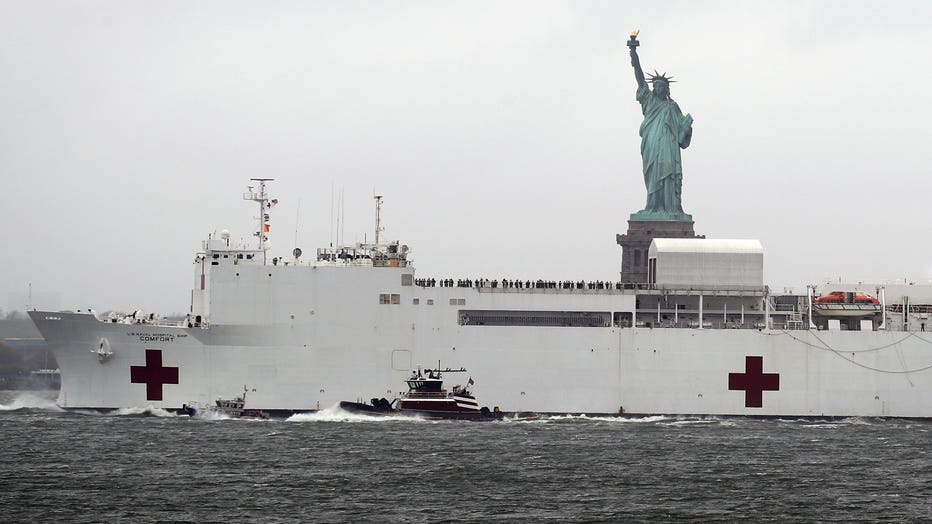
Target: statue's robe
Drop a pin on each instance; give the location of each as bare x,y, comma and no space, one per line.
663,132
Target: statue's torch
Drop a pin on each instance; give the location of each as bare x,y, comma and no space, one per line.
633,42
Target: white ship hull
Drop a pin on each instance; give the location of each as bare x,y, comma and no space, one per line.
306,338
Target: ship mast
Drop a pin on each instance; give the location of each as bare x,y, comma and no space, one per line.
262,198
378,222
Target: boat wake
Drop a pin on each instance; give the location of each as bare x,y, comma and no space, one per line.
695,421
213,416
335,414
148,411
834,422
603,418
662,420
28,401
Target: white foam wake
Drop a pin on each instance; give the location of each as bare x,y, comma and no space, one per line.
335,414
29,401
150,411
619,420
206,414
689,421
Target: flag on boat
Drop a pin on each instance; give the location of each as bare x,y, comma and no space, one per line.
471,382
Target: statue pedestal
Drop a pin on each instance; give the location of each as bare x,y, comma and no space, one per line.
660,216
636,241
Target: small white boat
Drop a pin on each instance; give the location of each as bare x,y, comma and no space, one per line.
233,408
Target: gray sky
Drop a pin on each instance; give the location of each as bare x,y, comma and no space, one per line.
504,135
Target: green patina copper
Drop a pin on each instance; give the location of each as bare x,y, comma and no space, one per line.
664,131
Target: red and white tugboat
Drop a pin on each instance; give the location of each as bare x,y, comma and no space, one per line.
426,397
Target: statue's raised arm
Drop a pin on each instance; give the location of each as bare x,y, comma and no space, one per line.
635,61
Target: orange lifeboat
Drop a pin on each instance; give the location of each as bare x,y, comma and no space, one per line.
845,304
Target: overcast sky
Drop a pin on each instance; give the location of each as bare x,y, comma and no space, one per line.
503,135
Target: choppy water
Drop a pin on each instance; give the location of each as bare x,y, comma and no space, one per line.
332,466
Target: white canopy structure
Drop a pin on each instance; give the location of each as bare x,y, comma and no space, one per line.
706,262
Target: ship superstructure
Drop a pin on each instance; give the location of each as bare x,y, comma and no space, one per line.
703,335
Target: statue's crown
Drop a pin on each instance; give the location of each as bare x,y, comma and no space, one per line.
660,77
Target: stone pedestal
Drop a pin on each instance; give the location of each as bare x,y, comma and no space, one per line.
635,243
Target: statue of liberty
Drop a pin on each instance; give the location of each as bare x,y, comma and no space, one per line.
663,132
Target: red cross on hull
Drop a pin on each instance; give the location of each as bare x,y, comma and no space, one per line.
754,382
153,375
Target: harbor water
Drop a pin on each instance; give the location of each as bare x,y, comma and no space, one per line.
331,466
